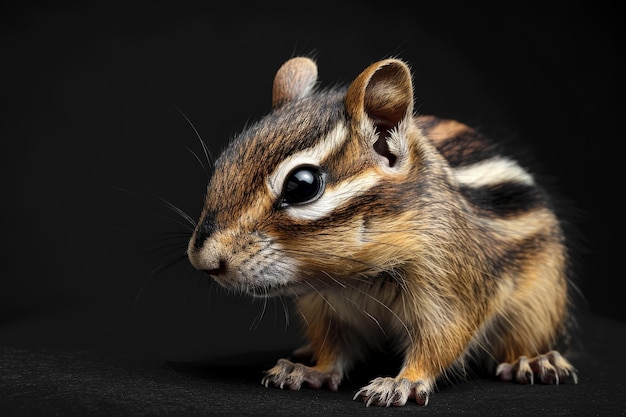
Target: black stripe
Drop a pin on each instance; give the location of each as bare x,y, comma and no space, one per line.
521,253
504,199
468,148
427,123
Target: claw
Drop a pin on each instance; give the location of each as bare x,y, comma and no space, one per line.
390,391
551,368
524,373
287,374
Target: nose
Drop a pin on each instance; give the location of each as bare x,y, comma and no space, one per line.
201,250
219,270
207,260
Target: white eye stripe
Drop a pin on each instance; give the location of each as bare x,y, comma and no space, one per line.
311,156
277,179
333,198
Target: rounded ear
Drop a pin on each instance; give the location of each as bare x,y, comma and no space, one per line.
383,92
294,80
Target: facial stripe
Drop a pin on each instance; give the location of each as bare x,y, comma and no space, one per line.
313,156
205,229
333,197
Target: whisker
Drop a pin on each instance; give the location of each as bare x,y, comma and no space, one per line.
321,295
195,155
166,250
160,251
163,202
169,264
259,317
211,285
184,225
159,269
304,319
178,211
193,289
406,328
334,279
367,314
285,310
207,154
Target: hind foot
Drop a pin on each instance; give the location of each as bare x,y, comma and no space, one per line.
551,368
287,374
391,391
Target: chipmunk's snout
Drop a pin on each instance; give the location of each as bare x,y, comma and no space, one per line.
201,251
207,260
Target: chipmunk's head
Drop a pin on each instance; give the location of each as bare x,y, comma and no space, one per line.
299,199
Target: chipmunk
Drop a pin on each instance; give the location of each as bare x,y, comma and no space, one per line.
387,228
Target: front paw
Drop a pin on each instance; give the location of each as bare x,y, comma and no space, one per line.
287,374
391,391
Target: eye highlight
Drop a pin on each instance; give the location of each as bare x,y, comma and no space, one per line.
303,184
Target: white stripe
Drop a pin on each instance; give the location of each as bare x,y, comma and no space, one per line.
333,198
492,171
310,156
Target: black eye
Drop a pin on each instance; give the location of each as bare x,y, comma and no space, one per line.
303,185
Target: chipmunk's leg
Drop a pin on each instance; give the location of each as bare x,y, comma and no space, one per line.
551,368
326,353
425,359
430,351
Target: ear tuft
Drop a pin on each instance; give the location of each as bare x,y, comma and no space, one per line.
294,80
382,93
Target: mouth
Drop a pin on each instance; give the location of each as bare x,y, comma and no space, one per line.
275,286
262,290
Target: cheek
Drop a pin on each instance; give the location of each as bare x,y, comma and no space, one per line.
336,248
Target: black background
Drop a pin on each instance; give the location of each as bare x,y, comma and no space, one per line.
93,143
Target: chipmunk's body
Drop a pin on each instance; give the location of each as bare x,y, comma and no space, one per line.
387,227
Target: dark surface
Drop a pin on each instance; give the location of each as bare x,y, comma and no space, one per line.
39,382
101,314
